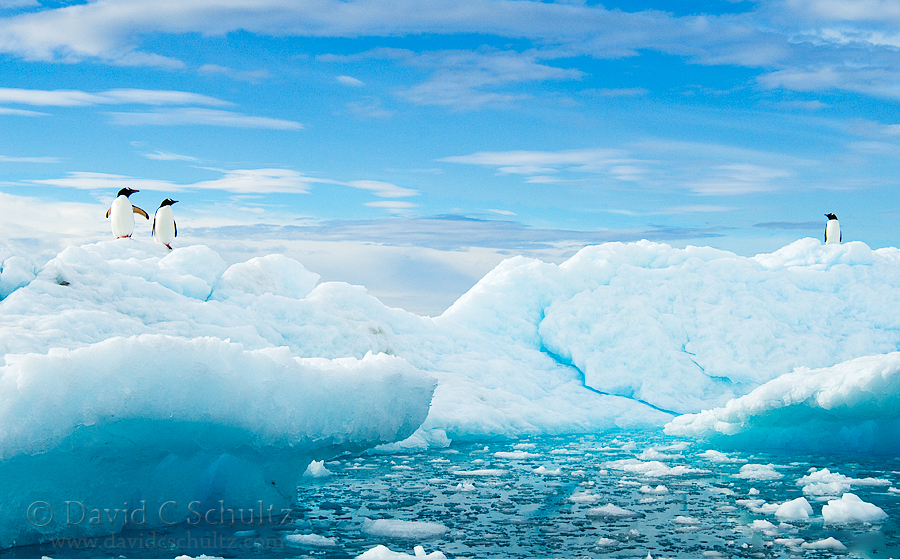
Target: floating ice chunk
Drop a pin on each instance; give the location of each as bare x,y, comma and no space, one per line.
850,509
309,540
516,455
382,552
612,512
686,521
789,542
823,482
763,526
762,472
204,556
720,457
655,454
658,490
486,472
464,487
606,542
652,469
585,497
403,529
543,470
317,468
796,510
829,543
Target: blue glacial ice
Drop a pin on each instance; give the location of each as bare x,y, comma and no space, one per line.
132,374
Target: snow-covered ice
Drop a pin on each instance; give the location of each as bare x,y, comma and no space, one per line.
134,374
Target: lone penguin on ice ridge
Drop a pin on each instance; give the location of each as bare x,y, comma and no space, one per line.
164,228
122,213
832,230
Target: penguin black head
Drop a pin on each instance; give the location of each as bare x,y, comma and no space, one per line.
168,202
831,216
127,192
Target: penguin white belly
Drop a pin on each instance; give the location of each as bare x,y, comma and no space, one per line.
164,225
121,215
832,232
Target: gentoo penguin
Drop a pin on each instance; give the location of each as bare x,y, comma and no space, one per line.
122,213
832,230
164,229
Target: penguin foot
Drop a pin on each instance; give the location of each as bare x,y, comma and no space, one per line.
124,237
169,247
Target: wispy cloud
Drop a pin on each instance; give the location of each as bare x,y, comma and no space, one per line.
76,98
10,159
241,181
470,80
238,75
383,189
21,112
351,81
703,169
199,116
799,44
238,181
166,156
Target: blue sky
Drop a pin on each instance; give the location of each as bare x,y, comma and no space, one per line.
409,146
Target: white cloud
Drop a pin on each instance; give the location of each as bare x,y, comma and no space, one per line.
463,79
350,81
166,156
239,75
239,181
521,161
76,98
261,181
9,159
243,181
391,205
20,112
383,189
197,116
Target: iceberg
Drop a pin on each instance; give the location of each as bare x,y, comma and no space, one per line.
850,407
133,377
151,430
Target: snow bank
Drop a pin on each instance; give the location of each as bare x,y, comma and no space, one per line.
852,406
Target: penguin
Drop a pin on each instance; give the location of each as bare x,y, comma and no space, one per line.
122,213
832,230
164,228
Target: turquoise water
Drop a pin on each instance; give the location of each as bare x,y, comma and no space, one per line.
546,497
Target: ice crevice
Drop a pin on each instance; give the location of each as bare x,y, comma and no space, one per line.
581,378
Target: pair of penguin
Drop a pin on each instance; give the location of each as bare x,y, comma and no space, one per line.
122,213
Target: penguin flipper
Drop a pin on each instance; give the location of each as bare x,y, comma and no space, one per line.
153,229
175,225
137,210
107,213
